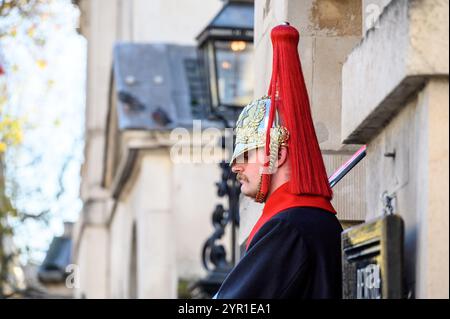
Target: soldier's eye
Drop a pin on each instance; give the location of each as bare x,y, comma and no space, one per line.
242,159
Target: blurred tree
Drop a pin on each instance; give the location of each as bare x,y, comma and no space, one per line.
13,14
6,209
10,134
41,129
25,7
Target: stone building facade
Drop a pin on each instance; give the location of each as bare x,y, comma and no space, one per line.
377,74
395,99
143,222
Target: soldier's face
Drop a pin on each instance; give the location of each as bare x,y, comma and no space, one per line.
248,169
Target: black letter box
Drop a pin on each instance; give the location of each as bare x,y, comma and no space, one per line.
372,259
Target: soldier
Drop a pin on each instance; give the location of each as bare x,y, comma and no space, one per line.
293,251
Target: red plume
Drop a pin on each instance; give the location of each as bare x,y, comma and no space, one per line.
289,95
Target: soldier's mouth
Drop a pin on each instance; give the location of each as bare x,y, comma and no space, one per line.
241,178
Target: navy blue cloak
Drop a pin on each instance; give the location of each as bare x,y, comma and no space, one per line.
296,254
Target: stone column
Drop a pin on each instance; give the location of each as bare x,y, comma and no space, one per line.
98,18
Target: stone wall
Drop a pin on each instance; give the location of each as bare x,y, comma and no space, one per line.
395,99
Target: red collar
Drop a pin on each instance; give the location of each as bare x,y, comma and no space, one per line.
282,199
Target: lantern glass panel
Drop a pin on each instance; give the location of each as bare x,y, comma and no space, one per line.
234,65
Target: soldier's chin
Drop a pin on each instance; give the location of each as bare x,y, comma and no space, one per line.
247,191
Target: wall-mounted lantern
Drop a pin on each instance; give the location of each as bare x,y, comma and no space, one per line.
226,50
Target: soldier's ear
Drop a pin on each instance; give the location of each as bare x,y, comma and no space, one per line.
282,156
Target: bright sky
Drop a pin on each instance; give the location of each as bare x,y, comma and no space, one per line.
47,88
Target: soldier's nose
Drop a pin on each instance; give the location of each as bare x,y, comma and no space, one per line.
236,168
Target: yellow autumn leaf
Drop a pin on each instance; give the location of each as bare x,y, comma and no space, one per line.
11,132
30,31
41,63
17,137
2,147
